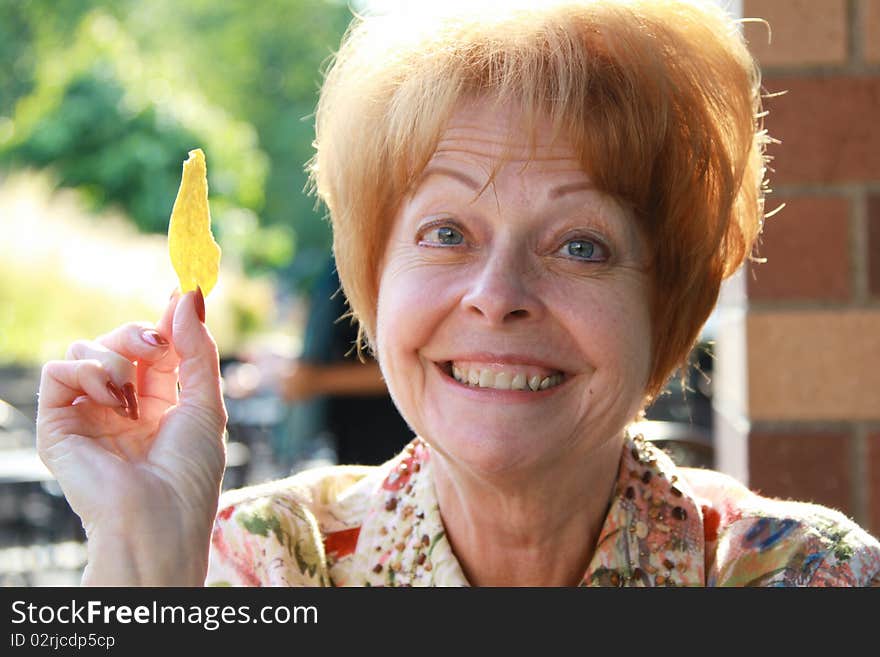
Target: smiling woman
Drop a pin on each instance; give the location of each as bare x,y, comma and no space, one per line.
533,210
516,270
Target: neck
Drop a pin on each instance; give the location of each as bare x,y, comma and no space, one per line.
535,527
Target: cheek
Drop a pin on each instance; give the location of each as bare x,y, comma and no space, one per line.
631,332
413,302
402,314
611,326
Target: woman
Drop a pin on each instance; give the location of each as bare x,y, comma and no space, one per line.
533,210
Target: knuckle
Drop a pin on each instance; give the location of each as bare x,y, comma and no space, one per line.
87,367
49,372
119,363
76,349
49,367
132,331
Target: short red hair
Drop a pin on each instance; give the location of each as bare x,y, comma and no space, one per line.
659,97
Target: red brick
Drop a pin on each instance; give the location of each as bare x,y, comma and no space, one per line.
874,483
805,466
807,250
801,35
828,127
874,245
871,30
813,365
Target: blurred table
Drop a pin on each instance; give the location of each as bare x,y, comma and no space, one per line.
22,465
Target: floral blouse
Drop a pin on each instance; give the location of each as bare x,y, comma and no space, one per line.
666,526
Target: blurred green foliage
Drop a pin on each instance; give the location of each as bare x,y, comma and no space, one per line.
110,95
114,156
16,55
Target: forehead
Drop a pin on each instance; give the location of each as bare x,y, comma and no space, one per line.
490,145
493,135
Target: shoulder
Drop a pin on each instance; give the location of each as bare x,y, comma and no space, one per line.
274,533
752,540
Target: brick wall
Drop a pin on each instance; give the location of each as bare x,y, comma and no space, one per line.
810,330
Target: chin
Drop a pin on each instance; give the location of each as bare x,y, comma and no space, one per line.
492,451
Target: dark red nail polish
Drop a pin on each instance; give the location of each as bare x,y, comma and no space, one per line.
132,400
199,301
153,338
114,390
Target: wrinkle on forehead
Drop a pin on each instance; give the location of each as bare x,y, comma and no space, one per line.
492,136
477,138
501,132
501,144
487,136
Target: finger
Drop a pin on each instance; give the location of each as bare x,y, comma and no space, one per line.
120,368
118,351
159,379
62,382
150,347
136,341
164,325
85,402
199,359
122,373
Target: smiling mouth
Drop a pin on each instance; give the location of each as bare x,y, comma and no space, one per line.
503,377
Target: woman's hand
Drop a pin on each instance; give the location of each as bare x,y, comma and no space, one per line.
138,461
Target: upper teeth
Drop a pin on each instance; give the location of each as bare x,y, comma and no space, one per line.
505,380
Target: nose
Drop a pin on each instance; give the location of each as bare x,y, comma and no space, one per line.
503,291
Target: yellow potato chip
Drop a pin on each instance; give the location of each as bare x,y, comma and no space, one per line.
194,253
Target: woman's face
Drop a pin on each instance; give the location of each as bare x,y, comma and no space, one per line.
512,323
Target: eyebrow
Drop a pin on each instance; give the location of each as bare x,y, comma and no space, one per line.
562,190
466,180
452,173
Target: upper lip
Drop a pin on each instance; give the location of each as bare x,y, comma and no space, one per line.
506,358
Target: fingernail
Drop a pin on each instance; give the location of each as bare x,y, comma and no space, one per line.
199,301
131,400
153,338
114,390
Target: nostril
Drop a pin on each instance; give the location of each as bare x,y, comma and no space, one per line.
519,313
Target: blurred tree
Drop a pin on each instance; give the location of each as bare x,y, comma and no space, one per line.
112,94
114,154
262,62
30,28
16,53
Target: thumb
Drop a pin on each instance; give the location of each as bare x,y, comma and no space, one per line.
199,372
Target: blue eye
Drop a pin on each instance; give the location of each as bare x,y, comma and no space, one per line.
443,236
583,249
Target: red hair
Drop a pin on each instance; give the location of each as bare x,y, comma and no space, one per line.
659,98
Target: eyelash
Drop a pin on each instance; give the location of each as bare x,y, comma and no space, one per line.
435,227
597,245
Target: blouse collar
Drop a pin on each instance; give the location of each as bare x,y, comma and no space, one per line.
652,534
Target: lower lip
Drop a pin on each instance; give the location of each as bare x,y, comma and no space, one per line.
494,394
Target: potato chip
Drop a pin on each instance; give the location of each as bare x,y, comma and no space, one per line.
194,253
